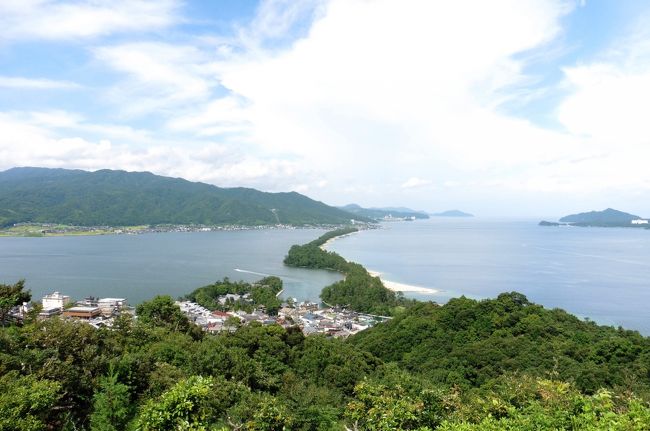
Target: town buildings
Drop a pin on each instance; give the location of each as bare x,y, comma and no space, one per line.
308,316
55,300
97,311
82,312
311,319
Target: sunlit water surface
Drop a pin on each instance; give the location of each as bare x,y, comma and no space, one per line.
603,274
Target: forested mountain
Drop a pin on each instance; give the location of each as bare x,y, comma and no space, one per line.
380,213
119,198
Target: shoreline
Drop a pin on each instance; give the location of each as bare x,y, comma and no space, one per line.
48,230
322,247
390,285
403,287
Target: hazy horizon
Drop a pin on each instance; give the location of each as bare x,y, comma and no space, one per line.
508,108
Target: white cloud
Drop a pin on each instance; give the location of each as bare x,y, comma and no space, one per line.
607,109
371,91
351,102
608,102
18,82
274,21
47,19
159,76
365,101
55,139
355,96
414,182
222,116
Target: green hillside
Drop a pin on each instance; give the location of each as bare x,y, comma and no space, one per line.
501,364
119,198
472,343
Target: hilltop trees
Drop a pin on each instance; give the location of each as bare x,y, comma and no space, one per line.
261,293
12,295
111,404
470,343
469,365
162,311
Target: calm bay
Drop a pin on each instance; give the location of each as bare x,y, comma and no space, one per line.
599,273
139,267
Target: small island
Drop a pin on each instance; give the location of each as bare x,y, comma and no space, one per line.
606,218
452,213
549,223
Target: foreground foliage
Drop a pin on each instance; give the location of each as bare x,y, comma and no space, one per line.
12,295
501,364
469,343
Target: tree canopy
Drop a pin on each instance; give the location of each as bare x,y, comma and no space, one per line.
12,295
496,364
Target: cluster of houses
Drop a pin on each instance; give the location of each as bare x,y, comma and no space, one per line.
311,319
309,316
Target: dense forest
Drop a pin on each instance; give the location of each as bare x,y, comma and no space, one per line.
501,364
119,198
359,290
470,343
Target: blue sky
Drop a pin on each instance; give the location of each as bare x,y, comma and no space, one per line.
518,107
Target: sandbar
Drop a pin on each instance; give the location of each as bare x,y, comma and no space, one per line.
402,287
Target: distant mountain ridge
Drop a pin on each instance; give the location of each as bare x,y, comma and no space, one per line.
120,198
383,213
452,213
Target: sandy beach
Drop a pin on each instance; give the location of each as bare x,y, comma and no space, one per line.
401,287
324,246
391,285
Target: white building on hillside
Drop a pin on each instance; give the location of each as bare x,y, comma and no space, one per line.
109,305
55,300
639,221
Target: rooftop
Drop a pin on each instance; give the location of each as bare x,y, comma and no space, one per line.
82,309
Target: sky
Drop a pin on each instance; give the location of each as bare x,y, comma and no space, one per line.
501,108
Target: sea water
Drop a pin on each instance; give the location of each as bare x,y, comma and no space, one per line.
597,273
138,267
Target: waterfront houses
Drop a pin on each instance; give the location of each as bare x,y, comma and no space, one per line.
95,311
311,319
308,316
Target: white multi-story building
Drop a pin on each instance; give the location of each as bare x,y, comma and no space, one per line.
55,300
109,305
639,221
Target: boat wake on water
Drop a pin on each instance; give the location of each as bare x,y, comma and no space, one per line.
252,272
